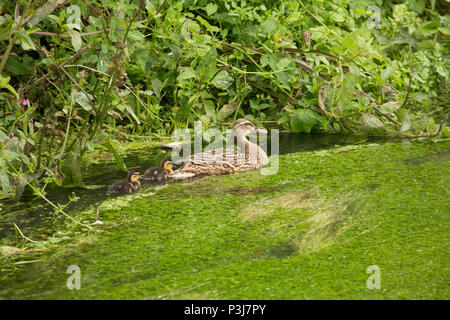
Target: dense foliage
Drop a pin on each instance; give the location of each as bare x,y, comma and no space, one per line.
80,74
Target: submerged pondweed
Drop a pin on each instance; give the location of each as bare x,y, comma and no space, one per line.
310,231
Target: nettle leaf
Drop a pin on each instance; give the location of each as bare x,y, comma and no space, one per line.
389,107
303,120
222,80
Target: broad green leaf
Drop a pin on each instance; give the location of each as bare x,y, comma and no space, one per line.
211,8
303,120
258,106
83,100
406,124
222,80
269,25
389,107
175,50
15,66
136,35
386,73
186,73
26,42
283,63
76,39
337,17
371,121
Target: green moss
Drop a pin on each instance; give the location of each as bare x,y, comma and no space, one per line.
384,205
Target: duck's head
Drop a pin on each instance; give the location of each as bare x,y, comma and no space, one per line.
167,165
243,127
133,176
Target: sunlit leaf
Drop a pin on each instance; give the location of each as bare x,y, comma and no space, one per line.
119,160
75,39
211,8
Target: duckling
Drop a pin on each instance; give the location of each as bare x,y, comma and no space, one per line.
155,174
129,186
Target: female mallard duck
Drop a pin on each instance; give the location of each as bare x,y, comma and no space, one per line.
129,186
155,174
248,156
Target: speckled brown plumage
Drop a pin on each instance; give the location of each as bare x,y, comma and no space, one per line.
249,156
129,186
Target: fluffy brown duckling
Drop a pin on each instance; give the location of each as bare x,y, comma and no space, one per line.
129,186
160,174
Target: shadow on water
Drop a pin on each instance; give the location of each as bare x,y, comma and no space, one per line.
37,213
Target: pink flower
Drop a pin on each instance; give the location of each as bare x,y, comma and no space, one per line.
25,102
12,134
31,120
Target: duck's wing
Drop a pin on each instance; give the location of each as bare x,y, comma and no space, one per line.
216,156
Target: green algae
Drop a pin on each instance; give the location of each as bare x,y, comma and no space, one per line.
195,240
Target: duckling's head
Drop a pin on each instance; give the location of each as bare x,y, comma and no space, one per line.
243,127
167,165
133,176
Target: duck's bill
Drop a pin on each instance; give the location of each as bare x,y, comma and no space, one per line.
261,130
